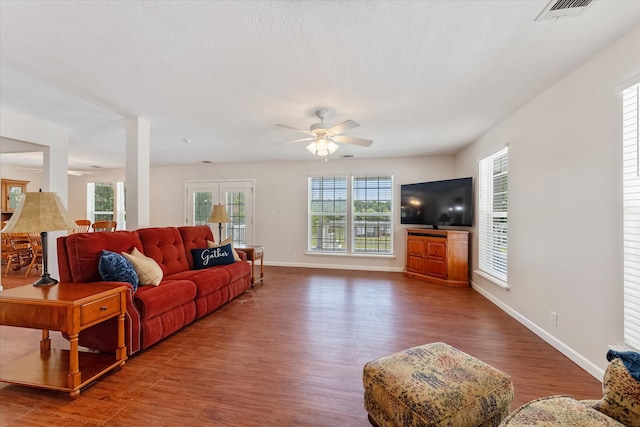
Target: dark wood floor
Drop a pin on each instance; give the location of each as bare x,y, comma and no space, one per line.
290,352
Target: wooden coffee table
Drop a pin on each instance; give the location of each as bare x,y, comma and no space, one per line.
254,252
68,308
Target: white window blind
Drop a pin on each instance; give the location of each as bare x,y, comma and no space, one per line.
631,216
492,221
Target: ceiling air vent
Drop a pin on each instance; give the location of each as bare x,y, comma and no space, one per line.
557,9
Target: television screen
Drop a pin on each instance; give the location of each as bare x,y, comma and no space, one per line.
436,203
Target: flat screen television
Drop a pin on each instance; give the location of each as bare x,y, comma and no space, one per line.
437,203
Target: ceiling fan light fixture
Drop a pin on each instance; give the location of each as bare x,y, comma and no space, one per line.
322,147
332,147
312,148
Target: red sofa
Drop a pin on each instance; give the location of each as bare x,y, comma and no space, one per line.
153,312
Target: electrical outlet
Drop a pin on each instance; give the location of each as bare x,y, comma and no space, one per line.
554,318
294,254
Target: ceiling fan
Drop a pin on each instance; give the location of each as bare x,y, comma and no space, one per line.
324,140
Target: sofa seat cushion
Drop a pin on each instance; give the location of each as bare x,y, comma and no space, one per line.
207,281
557,411
238,270
153,301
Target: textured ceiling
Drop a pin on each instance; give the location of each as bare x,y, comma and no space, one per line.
422,78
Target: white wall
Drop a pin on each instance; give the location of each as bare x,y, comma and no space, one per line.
22,174
565,207
280,187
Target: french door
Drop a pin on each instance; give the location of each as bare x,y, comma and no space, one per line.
236,196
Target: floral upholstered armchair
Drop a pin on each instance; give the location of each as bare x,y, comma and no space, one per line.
619,406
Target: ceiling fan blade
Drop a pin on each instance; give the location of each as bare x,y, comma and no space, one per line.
299,130
298,140
341,127
343,139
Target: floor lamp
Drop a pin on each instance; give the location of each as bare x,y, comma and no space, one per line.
39,213
219,215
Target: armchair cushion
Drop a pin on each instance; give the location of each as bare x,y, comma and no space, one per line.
553,411
621,399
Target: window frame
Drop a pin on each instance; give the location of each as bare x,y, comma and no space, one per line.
493,222
118,212
349,237
631,214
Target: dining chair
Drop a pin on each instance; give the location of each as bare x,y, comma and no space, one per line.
9,255
16,251
82,226
104,226
35,241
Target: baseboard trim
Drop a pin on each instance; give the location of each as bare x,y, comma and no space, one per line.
336,266
569,352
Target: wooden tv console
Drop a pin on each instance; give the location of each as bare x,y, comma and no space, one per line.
438,256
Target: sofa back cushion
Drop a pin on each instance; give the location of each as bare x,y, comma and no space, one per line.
195,237
79,253
165,246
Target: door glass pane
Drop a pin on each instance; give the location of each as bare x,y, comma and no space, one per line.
236,203
202,207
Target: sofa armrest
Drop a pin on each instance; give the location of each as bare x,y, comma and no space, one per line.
242,255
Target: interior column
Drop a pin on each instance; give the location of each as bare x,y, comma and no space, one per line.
137,171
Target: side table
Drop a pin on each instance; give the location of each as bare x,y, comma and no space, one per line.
254,252
68,308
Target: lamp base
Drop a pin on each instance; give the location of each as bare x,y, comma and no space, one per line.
45,280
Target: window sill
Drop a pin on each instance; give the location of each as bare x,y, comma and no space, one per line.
500,283
351,255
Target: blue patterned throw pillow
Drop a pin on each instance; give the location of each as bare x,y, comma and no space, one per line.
203,258
114,267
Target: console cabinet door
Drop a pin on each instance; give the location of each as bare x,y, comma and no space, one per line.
437,258
415,256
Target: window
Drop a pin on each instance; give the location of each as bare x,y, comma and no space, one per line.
631,215
106,201
351,214
492,221
372,214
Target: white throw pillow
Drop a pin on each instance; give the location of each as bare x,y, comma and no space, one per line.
149,272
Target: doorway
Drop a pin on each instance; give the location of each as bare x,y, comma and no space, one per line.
236,196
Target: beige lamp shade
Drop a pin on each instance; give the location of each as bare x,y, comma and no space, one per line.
219,214
37,212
